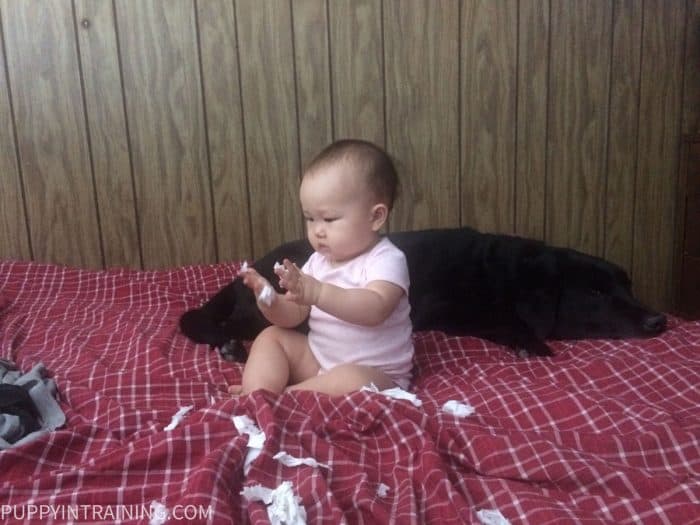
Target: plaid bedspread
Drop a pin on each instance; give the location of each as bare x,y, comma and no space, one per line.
604,432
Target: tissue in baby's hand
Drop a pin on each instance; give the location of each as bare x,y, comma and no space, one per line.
267,295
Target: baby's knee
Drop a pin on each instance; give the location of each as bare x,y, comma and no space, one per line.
357,376
271,333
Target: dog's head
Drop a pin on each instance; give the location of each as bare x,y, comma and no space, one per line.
571,295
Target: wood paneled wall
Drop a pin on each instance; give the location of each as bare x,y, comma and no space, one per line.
154,133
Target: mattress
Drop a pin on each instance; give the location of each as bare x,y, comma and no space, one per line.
605,431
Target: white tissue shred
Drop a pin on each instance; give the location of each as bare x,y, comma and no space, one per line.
491,517
382,490
159,513
178,417
256,439
395,393
290,461
283,506
267,295
245,425
458,409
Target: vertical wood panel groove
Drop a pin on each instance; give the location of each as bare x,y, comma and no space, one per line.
88,138
623,130
243,127
132,177
606,154
382,35
632,266
329,58
691,73
18,243
516,136
206,131
296,86
531,118
547,185
460,103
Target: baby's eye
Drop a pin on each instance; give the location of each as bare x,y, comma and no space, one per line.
330,219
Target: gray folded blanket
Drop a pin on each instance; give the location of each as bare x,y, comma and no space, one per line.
27,405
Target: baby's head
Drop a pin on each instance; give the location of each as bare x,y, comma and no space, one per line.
346,194
366,163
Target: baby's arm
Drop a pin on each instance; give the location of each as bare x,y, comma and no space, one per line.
367,306
275,307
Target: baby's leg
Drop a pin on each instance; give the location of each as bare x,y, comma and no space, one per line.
279,356
344,379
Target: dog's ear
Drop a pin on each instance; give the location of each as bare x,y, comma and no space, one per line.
537,298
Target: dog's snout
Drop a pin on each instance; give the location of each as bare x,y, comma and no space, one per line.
655,324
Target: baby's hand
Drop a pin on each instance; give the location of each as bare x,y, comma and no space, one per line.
264,292
301,288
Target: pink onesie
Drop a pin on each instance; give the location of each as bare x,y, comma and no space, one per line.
388,346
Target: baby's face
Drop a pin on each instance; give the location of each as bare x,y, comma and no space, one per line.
339,211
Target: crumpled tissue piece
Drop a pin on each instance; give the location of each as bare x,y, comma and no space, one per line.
395,393
159,513
256,439
290,461
267,295
382,490
283,506
458,409
491,517
178,417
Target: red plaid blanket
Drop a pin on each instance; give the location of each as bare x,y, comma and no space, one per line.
604,432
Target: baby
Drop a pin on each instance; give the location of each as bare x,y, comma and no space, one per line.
353,288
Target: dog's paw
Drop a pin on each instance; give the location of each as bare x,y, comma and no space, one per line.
534,348
233,351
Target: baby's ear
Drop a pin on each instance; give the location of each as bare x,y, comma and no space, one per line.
380,213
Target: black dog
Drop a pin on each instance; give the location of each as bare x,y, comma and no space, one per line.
510,290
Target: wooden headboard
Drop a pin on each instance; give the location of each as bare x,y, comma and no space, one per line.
166,132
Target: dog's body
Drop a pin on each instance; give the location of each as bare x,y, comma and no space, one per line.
514,291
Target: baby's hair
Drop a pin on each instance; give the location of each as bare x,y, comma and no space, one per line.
371,160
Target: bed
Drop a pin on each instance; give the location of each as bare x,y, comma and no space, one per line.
603,432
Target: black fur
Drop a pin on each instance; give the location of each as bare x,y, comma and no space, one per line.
510,290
